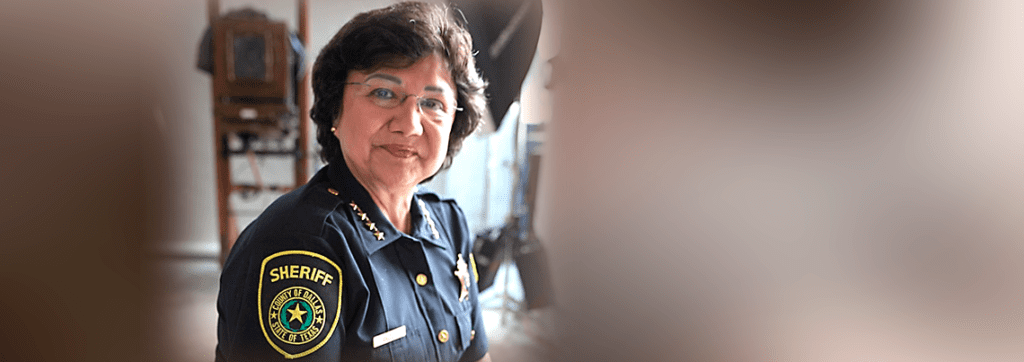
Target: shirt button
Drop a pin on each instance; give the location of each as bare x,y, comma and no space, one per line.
443,336
421,279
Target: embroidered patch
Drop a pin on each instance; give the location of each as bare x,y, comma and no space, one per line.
299,301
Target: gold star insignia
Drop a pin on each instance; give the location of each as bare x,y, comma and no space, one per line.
433,231
366,220
430,221
296,313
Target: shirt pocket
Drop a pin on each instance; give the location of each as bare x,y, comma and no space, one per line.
412,347
464,318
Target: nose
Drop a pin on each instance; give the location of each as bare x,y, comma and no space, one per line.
407,119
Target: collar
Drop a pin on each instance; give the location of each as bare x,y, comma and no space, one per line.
424,223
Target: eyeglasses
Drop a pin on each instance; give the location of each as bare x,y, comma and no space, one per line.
385,95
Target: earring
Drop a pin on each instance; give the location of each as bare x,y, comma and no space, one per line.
333,129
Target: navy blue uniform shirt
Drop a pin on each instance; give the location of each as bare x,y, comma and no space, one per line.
321,275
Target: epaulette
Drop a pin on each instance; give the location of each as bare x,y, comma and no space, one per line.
319,200
325,195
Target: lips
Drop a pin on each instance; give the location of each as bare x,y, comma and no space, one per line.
400,151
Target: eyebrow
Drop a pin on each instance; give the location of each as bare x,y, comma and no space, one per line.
394,79
433,88
385,77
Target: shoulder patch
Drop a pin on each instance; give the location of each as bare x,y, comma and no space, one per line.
299,301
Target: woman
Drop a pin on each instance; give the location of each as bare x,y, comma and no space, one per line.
357,264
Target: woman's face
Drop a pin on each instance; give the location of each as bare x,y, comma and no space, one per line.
394,124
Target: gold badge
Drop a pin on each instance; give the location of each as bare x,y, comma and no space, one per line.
461,271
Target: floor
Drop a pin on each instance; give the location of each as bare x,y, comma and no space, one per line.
186,317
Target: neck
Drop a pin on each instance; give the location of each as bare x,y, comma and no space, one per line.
394,204
392,199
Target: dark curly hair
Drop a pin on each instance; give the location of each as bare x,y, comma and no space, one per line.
397,37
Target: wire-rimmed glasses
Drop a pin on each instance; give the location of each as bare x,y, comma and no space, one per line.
387,95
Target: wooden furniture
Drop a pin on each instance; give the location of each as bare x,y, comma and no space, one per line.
256,98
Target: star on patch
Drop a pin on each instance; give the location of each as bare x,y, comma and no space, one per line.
296,314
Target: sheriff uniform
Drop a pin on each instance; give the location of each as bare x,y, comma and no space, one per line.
321,275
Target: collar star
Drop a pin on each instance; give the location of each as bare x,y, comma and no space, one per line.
366,221
430,221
